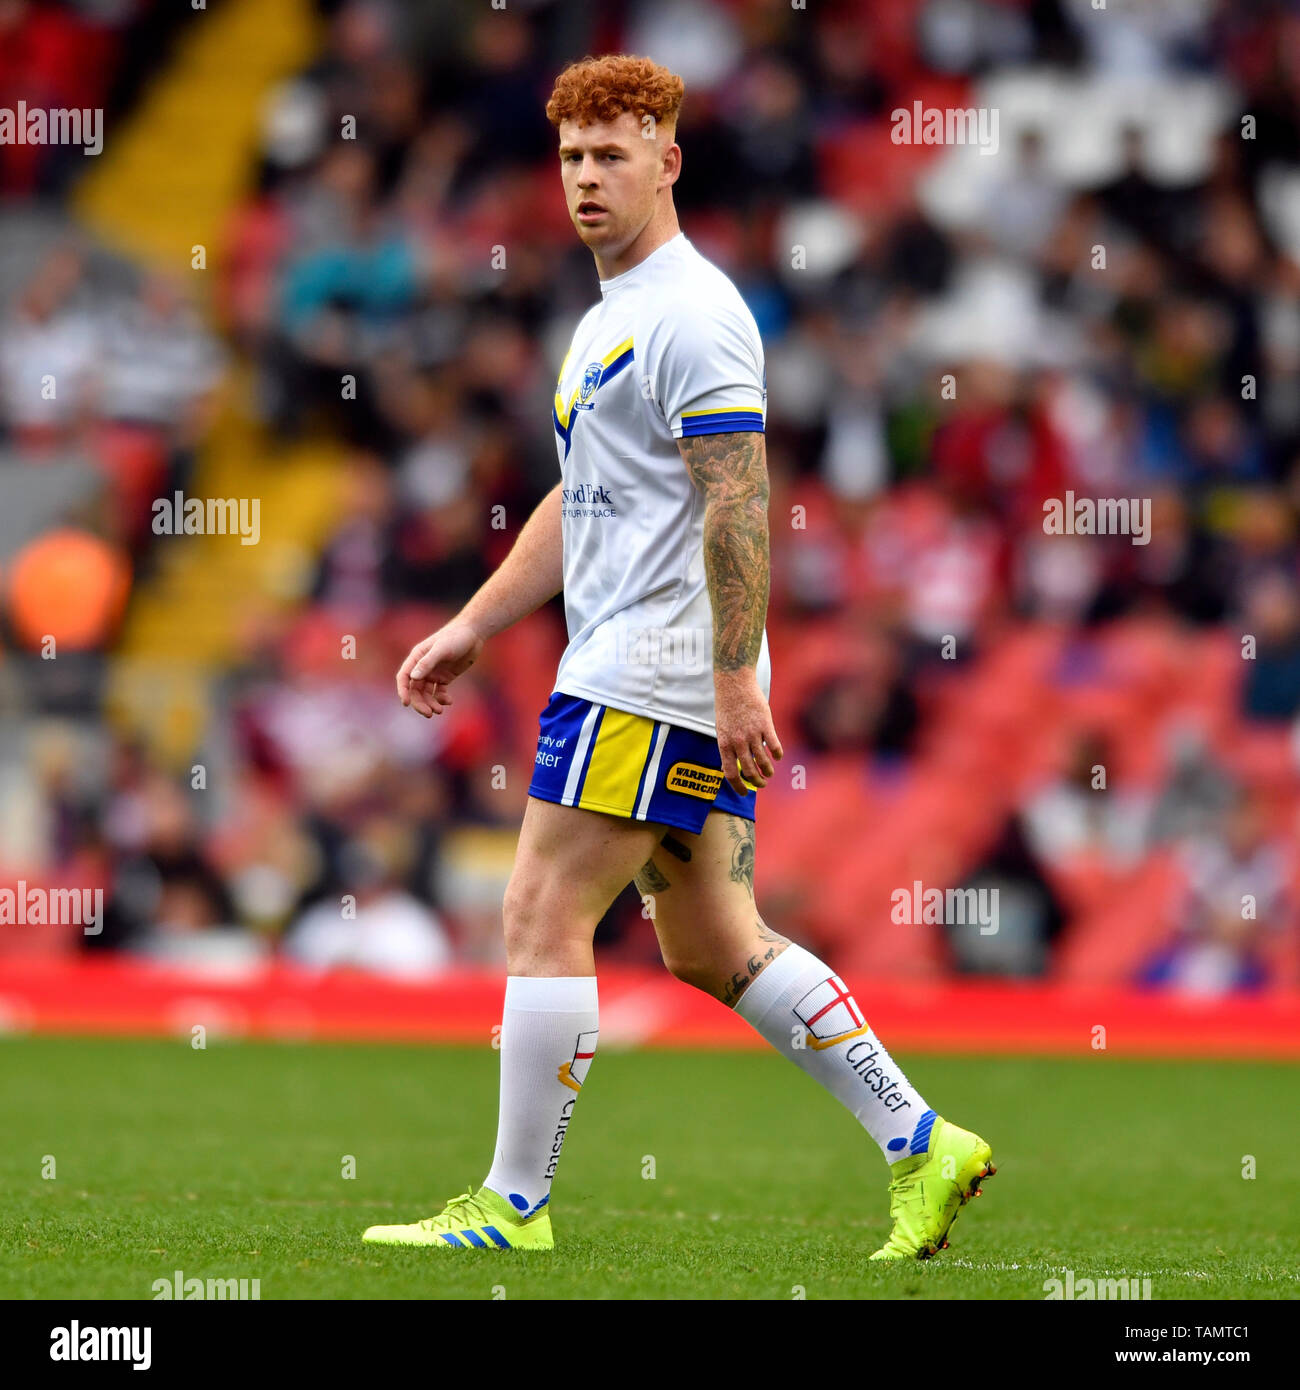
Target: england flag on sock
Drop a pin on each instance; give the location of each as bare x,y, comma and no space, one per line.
830,1013
574,1073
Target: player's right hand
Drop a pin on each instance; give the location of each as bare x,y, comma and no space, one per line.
433,664
747,741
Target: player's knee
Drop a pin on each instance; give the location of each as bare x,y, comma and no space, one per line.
540,920
692,970
523,915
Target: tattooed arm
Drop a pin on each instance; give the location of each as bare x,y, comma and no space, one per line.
731,471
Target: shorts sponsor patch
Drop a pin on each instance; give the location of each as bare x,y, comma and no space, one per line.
694,780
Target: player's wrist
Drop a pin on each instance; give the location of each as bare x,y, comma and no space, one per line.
735,676
475,624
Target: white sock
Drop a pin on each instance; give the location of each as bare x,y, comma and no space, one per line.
806,1012
548,1037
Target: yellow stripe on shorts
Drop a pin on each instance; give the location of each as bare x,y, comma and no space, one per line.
616,762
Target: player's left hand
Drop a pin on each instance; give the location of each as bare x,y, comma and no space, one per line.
746,735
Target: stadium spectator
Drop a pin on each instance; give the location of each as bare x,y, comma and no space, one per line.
1233,912
50,358
378,925
160,370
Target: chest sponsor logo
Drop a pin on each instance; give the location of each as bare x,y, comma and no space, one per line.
587,499
587,493
694,780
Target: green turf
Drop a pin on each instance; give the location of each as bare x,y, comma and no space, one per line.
227,1163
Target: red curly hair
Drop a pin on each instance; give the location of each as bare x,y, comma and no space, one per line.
596,90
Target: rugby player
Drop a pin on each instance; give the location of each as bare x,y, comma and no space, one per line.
658,735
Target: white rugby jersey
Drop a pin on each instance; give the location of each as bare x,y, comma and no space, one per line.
671,350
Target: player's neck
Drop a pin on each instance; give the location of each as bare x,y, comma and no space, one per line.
648,240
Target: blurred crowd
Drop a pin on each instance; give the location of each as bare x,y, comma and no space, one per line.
1107,306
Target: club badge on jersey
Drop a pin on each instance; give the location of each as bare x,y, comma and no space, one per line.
590,381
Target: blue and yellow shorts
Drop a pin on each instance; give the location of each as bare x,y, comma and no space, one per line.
604,759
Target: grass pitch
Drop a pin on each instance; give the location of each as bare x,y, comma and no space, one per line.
228,1163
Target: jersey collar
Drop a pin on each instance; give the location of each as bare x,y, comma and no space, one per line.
618,281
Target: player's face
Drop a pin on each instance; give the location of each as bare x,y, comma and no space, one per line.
611,175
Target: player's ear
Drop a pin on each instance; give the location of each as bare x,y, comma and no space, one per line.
672,164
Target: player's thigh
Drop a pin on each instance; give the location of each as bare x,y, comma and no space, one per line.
571,864
702,890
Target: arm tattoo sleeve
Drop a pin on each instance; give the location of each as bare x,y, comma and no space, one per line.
731,471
